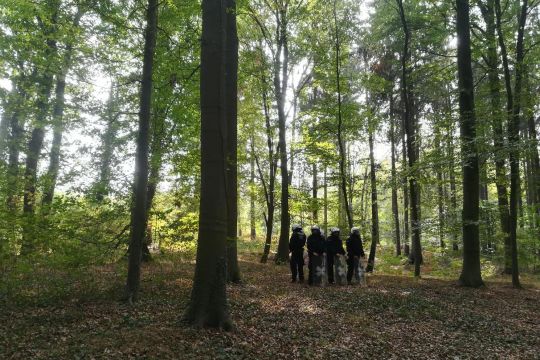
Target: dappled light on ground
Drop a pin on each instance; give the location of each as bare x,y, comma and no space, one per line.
393,317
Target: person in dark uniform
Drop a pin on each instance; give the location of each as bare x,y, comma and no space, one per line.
334,246
355,251
296,248
316,247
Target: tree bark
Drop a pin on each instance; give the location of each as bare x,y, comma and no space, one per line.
58,124
208,304
374,208
139,205
499,149
253,231
15,140
412,151
231,102
341,145
440,184
470,273
269,191
280,86
395,203
35,144
513,139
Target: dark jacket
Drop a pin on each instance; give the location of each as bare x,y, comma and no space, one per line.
316,244
297,242
334,245
354,246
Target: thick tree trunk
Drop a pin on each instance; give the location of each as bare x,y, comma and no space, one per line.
374,208
208,304
470,274
139,205
231,94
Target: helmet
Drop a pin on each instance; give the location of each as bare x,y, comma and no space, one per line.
334,230
296,227
315,228
355,230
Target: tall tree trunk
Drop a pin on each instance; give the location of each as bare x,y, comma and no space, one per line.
513,107
280,85
58,122
440,184
395,203
470,273
513,137
35,145
453,190
269,191
231,94
412,152
208,305
406,231
341,145
15,140
374,208
139,205
499,149
363,202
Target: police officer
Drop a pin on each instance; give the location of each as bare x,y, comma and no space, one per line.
316,247
334,246
296,248
355,250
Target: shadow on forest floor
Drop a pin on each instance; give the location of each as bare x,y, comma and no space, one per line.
393,317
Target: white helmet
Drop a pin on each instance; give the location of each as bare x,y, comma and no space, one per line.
315,227
296,227
334,230
355,230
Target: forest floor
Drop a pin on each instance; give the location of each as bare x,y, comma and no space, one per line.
79,316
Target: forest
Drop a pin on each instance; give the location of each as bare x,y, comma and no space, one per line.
158,158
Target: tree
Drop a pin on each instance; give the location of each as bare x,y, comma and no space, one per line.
412,151
470,274
231,89
208,304
139,206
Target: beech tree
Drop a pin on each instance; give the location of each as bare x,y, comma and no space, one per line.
470,274
208,304
138,210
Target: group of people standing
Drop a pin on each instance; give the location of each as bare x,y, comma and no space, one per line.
318,245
